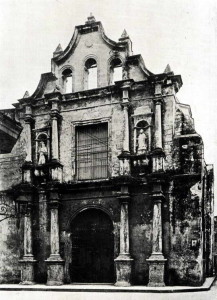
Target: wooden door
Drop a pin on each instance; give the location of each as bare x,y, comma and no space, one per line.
92,248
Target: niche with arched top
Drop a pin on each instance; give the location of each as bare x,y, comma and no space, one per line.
90,74
142,136
115,69
42,148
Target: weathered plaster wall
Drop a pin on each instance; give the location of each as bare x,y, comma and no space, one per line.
11,244
140,220
186,255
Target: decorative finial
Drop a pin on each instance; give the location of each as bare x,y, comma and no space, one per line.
90,19
26,95
168,69
124,34
58,49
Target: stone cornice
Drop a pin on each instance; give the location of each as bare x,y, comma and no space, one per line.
166,79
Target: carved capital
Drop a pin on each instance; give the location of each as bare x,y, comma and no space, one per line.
158,100
29,119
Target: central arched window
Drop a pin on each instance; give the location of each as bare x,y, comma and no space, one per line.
67,81
115,70
90,74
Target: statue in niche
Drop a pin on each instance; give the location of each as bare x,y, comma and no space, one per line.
141,142
42,153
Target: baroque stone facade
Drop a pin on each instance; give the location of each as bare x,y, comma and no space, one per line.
102,174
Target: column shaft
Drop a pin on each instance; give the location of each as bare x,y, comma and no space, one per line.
43,238
55,141
157,228
27,262
54,231
124,229
27,235
156,261
126,130
158,126
55,269
29,142
124,262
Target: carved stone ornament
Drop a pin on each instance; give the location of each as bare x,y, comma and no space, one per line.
88,43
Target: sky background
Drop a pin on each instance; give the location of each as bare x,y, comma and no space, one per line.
182,33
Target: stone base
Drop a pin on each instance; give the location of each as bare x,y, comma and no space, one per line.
27,270
156,270
123,265
55,270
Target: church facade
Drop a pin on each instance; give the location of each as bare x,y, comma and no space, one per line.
103,178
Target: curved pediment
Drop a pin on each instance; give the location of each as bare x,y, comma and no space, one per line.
89,27
47,84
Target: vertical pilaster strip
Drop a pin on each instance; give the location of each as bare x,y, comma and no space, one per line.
55,139
28,121
124,229
29,141
126,129
157,261
158,154
27,166
158,124
55,269
157,228
28,261
54,230
124,261
44,234
124,157
28,234
54,99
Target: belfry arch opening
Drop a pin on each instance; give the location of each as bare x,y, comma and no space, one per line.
67,81
90,74
92,256
115,70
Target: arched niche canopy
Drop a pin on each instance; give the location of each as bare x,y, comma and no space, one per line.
42,148
142,136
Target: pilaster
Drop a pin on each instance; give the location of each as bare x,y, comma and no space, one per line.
158,153
55,264
43,233
125,155
28,261
124,261
157,261
27,168
55,166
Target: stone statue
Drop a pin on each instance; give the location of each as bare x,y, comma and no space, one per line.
42,153
142,142
124,74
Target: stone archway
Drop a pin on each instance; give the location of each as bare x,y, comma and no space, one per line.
92,247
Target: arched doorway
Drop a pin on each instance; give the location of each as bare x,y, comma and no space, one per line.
92,247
